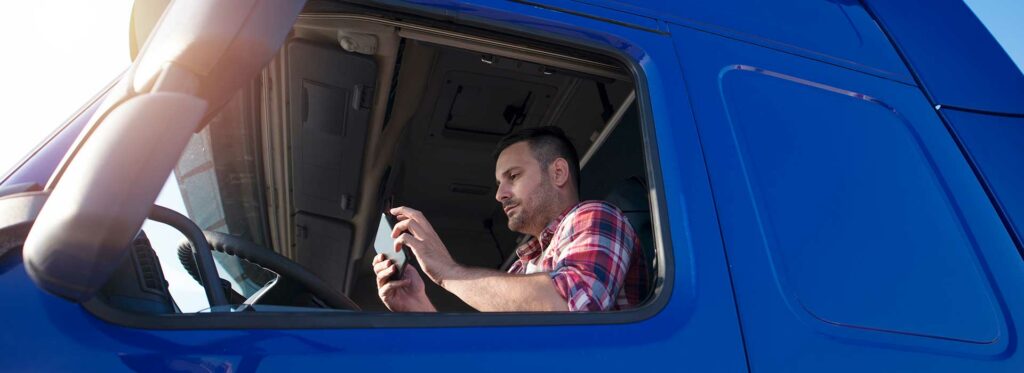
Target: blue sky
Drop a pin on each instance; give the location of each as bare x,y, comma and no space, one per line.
1005,20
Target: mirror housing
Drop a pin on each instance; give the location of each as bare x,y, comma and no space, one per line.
199,54
86,226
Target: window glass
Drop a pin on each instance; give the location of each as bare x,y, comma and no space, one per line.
215,185
186,292
244,277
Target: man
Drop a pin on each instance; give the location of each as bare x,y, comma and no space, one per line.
582,256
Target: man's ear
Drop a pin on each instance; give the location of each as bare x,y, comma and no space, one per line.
559,172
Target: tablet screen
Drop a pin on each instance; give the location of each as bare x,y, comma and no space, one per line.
384,244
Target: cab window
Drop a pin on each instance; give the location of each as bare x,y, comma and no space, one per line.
305,159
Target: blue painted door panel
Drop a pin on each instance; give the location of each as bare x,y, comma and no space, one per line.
838,31
610,14
858,237
698,329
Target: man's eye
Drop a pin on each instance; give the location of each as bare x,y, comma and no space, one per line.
513,176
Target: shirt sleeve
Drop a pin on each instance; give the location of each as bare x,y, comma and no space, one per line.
591,267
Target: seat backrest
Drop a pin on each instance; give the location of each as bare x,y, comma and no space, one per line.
631,196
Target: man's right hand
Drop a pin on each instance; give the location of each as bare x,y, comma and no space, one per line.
400,295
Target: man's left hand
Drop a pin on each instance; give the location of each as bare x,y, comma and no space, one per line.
413,230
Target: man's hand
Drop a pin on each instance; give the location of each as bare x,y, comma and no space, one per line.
400,295
483,289
413,230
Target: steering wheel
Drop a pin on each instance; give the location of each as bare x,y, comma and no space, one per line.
268,259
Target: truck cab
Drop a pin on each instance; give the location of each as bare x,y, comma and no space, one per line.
817,186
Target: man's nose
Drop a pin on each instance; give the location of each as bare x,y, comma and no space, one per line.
502,194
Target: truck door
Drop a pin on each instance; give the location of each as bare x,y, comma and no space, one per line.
691,321
858,237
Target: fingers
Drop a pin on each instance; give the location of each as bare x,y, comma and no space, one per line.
410,226
400,227
384,275
380,267
383,269
379,262
407,240
389,289
405,213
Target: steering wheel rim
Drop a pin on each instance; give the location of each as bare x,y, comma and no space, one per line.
268,259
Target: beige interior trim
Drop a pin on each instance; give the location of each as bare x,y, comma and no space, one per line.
275,165
475,43
608,128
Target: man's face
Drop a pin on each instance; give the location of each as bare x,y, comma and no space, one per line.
524,189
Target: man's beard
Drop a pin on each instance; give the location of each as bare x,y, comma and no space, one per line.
532,216
516,222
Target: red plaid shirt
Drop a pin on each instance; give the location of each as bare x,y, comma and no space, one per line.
593,256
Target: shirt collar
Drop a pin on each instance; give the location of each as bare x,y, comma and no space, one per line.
536,245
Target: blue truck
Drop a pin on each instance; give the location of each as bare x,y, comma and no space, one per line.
818,185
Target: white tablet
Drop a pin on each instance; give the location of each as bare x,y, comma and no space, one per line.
384,244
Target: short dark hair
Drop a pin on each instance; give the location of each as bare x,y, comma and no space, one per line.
547,143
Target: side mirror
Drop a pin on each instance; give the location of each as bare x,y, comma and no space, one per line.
84,230
198,55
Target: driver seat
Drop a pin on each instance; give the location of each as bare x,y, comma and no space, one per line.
631,196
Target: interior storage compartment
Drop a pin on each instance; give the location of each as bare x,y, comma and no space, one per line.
330,92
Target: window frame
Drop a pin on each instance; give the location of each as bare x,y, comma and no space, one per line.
317,319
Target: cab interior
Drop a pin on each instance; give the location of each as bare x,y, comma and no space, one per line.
357,113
